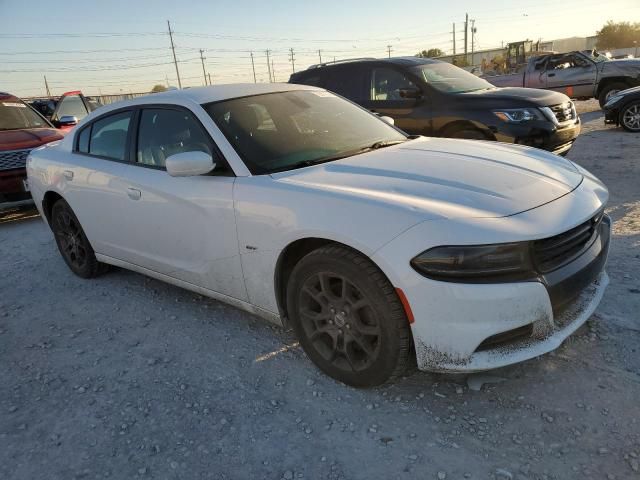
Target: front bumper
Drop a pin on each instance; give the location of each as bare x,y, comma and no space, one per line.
463,327
13,184
540,134
611,115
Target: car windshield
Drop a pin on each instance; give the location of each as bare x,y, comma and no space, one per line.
286,130
449,78
16,115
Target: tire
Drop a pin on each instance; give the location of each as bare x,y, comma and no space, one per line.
609,90
348,317
629,116
466,133
73,243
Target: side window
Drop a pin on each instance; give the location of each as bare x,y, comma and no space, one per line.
83,140
165,132
109,136
349,82
386,84
73,106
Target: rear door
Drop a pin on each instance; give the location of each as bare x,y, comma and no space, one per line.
571,74
384,97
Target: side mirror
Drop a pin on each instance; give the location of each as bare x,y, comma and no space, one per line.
189,164
68,121
389,120
410,93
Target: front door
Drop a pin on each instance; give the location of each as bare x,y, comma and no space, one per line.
183,227
571,74
386,88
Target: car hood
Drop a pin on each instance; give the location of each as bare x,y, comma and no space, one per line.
627,66
27,138
524,96
446,178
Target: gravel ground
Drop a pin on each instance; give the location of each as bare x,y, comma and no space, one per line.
127,377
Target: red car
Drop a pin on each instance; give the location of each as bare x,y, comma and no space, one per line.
67,110
21,130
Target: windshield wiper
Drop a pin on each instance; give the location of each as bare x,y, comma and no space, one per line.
384,143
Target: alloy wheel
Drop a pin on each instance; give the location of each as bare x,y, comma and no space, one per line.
631,117
339,321
70,239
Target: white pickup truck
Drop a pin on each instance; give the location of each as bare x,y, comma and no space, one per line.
579,75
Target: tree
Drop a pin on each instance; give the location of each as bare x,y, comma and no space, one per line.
158,88
618,35
431,53
460,61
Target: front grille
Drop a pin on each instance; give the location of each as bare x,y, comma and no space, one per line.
13,159
564,112
554,252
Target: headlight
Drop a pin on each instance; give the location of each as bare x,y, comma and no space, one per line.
475,261
518,115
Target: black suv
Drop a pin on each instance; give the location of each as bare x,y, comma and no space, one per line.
434,98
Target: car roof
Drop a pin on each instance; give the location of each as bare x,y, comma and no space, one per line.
399,61
8,96
215,93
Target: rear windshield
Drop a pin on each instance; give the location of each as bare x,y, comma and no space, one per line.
16,115
449,78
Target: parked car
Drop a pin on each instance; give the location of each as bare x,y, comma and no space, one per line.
67,110
21,130
434,98
301,207
623,108
577,74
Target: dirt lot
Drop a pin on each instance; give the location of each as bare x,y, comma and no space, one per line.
126,377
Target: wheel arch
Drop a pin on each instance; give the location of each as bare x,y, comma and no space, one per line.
461,124
292,254
48,200
609,80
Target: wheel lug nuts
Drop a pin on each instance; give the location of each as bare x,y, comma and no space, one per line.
330,322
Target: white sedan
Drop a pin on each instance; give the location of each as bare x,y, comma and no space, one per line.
290,202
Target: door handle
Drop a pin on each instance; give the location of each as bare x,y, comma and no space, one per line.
551,75
134,193
68,174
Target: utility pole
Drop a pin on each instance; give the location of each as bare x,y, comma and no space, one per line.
175,60
320,55
46,86
253,67
292,59
166,77
454,38
269,66
204,72
466,28
389,50
473,38
210,82
273,70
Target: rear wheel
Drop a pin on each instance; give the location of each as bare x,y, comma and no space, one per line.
348,317
72,242
609,90
630,117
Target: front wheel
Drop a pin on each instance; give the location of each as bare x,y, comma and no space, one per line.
348,317
73,243
609,90
630,117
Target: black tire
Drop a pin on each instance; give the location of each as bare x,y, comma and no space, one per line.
609,90
73,243
466,133
629,116
366,339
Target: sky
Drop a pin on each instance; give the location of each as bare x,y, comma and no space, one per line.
110,47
